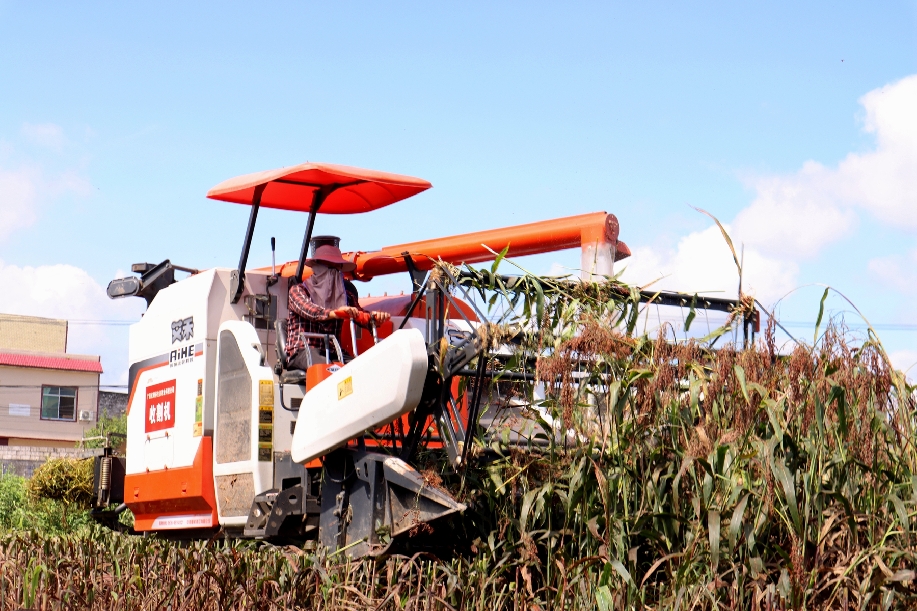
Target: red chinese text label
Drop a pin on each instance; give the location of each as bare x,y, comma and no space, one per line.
160,406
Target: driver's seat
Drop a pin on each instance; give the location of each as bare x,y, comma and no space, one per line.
287,376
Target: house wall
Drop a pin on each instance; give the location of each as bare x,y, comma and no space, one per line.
32,333
26,390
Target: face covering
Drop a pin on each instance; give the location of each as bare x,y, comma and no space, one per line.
326,287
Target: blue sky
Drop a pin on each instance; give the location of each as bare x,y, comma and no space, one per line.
116,119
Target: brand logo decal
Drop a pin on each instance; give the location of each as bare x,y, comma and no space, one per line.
183,329
180,356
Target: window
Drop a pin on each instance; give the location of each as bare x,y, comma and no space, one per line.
58,403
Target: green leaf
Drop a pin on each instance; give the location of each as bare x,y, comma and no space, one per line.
622,571
901,511
735,523
527,501
848,510
725,237
775,421
740,374
539,301
788,484
605,578
603,599
493,268
496,478
691,313
839,396
820,415
715,334
821,312
713,527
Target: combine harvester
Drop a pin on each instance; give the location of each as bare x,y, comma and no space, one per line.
221,436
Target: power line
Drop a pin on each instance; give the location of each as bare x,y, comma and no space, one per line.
797,324
74,321
802,324
103,322
96,386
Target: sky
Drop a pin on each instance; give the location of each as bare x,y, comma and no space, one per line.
795,124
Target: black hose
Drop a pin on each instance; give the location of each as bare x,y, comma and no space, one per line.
471,429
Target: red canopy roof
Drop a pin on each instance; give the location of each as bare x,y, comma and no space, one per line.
14,359
291,188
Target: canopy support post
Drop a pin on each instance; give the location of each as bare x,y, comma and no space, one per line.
237,277
318,197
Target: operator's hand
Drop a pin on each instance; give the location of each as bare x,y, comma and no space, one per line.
344,312
380,317
362,318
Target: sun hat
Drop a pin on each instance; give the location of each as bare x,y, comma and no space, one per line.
328,253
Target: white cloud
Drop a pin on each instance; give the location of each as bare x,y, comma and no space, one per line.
906,361
702,262
47,135
18,199
24,190
68,292
797,215
897,271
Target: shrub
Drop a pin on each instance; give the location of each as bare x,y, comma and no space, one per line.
21,510
69,480
115,427
13,501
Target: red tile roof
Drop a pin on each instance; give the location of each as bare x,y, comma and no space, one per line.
12,359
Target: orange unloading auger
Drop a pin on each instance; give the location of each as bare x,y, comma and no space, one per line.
529,239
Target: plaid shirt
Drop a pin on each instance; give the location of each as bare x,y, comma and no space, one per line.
306,316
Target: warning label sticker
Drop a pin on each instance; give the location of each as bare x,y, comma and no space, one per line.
266,393
345,388
204,520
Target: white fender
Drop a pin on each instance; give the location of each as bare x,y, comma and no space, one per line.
372,390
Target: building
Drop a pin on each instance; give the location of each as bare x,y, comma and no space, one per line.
48,397
32,334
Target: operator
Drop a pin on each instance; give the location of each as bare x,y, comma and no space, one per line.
321,303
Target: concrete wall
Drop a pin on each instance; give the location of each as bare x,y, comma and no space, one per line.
112,404
23,460
22,386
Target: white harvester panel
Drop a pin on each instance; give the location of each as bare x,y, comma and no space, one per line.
173,355
168,350
372,390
